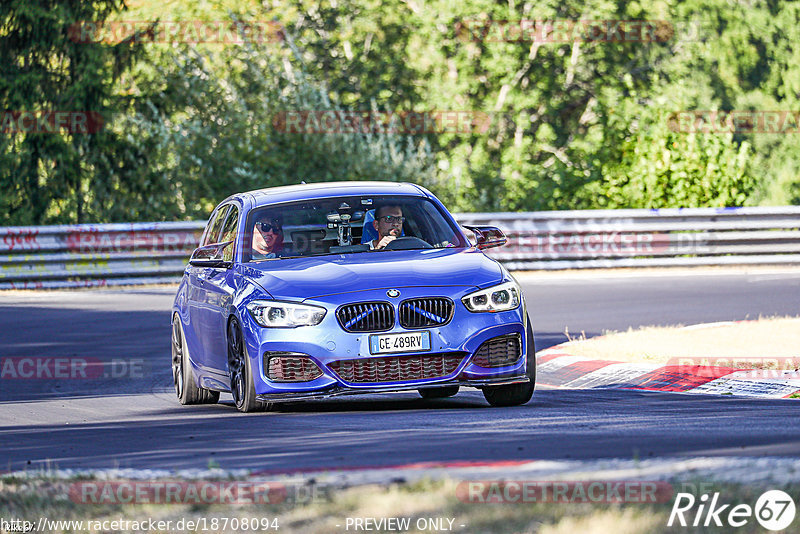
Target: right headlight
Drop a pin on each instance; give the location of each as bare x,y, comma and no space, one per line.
502,297
274,314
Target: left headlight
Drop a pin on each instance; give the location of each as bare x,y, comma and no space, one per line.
272,314
503,297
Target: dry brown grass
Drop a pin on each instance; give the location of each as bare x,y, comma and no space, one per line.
763,338
31,499
630,520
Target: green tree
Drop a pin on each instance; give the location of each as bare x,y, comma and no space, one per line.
574,124
67,175
216,128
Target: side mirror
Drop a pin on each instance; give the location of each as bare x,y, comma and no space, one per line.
216,255
488,236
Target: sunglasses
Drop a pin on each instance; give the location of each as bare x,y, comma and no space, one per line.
391,219
266,227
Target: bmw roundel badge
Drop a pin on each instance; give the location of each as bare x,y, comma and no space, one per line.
393,293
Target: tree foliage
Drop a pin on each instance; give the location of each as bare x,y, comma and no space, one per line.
217,130
66,175
576,124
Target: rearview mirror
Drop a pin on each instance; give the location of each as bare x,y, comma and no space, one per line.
488,236
216,255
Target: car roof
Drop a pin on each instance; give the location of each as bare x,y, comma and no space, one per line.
313,191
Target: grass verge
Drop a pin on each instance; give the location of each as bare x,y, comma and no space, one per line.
419,502
767,343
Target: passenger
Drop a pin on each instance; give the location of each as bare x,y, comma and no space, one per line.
389,225
267,239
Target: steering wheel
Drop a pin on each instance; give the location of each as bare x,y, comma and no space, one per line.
407,243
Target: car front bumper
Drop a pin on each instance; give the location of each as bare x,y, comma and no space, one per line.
338,391
327,343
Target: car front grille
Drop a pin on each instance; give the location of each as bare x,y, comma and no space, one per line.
397,368
366,317
425,312
290,367
499,351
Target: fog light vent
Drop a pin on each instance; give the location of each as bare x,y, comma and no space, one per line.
290,367
499,351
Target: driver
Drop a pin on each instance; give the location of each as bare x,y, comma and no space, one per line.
389,225
267,238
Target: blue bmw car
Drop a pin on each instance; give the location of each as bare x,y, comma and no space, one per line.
316,290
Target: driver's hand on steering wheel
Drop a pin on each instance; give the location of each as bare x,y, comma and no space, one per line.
385,241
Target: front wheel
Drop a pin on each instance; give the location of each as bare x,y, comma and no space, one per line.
241,372
516,394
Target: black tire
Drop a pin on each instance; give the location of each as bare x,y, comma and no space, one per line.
438,393
186,387
516,394
241,372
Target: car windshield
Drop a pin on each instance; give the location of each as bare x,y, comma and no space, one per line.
346,225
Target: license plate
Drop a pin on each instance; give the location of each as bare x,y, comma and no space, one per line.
405,342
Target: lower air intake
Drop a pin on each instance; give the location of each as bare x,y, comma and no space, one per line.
499,351
397,368
290,367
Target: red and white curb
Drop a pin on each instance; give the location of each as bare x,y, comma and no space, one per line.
556,367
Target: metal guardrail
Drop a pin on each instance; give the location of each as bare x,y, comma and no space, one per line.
88,255
646,238
145,253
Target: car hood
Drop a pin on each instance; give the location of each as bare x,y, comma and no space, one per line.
314,277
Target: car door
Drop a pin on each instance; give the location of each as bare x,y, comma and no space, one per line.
202,305
219,288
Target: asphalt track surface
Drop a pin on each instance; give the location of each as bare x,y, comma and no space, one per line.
134,420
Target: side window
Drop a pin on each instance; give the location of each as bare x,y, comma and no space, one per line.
229,229
231,225
214,226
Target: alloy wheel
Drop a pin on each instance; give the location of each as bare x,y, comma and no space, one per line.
236,364
177,358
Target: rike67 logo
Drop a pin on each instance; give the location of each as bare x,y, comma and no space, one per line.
774,510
